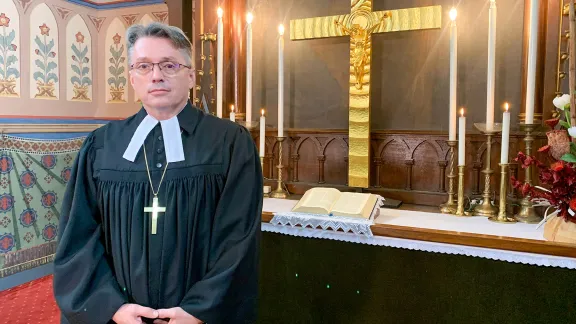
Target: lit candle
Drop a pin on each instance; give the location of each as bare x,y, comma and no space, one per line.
220,63
505,135
532,54
462,139
491,65
232,114
281,81
262,133
249,18
453,80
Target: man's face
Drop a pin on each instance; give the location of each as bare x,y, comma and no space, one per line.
156,88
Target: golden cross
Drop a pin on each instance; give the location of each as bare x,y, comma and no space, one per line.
360,24
155,209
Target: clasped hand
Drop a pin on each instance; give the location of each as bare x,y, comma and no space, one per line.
133,313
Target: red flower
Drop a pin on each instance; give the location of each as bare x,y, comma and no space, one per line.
44,30
558,166
552,122
79,37
116,38
525,189
4,21
544,149
573,203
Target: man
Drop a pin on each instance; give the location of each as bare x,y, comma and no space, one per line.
161,218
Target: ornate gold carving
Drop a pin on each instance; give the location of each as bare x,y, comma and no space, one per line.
360,24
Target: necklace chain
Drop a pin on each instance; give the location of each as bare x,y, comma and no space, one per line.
148,172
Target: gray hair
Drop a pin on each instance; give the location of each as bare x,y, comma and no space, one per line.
176,36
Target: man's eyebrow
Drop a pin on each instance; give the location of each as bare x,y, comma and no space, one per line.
163,59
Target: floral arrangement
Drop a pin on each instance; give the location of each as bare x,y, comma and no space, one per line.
8,68
81,68
560,175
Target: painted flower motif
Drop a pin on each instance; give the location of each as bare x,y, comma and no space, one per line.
44,30
572,131
37,51
562,101
4,21
117,38
14,47
79,37
52,54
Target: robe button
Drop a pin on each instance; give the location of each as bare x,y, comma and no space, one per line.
158,165
160,137
159,151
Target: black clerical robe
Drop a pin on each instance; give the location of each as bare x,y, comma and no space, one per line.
204,257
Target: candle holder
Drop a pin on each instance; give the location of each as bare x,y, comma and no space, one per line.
460,206
280,192
450,206
527,213
502,215
486,208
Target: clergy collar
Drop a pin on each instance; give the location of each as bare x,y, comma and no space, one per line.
186,120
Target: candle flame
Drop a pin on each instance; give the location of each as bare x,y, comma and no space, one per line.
249,17
281,29
220,12
506,106
462,112
453,14
232,108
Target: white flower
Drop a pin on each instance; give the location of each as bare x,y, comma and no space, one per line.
572,131
561,102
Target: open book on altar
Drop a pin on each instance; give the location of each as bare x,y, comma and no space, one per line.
329,201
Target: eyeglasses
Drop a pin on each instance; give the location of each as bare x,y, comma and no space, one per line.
168,68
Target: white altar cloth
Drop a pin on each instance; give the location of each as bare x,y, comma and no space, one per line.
436,221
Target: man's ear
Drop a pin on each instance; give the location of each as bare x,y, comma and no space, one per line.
192,79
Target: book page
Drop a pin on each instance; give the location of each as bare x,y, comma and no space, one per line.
351,203
323,198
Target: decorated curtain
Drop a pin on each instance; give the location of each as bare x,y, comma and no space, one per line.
33,177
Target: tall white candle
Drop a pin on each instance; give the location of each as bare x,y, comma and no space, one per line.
505,135
249,18
453,74
262,133
281,81
219,63
462,139
532,54
491,82
232,114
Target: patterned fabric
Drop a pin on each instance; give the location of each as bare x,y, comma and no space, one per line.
33,177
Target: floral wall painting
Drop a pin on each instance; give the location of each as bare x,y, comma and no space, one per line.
44,81
9,51
79,59
117,63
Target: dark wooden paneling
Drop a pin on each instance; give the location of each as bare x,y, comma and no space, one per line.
409,166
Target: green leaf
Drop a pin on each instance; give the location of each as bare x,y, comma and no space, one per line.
121,70
52,76
1,71
75,79
1,59
564,124
76,51
41,45
10,38
111,81
50,46
38,75
85,70
51,66
569,158
11,60
122,81
76,70
573,148
12,71
86,81
112,70
40,64
84,52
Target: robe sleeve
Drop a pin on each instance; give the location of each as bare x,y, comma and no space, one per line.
228,292
85,288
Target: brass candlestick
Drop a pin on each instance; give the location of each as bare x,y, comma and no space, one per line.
280,192
486,208
527,213
502,215
460,207
449,207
